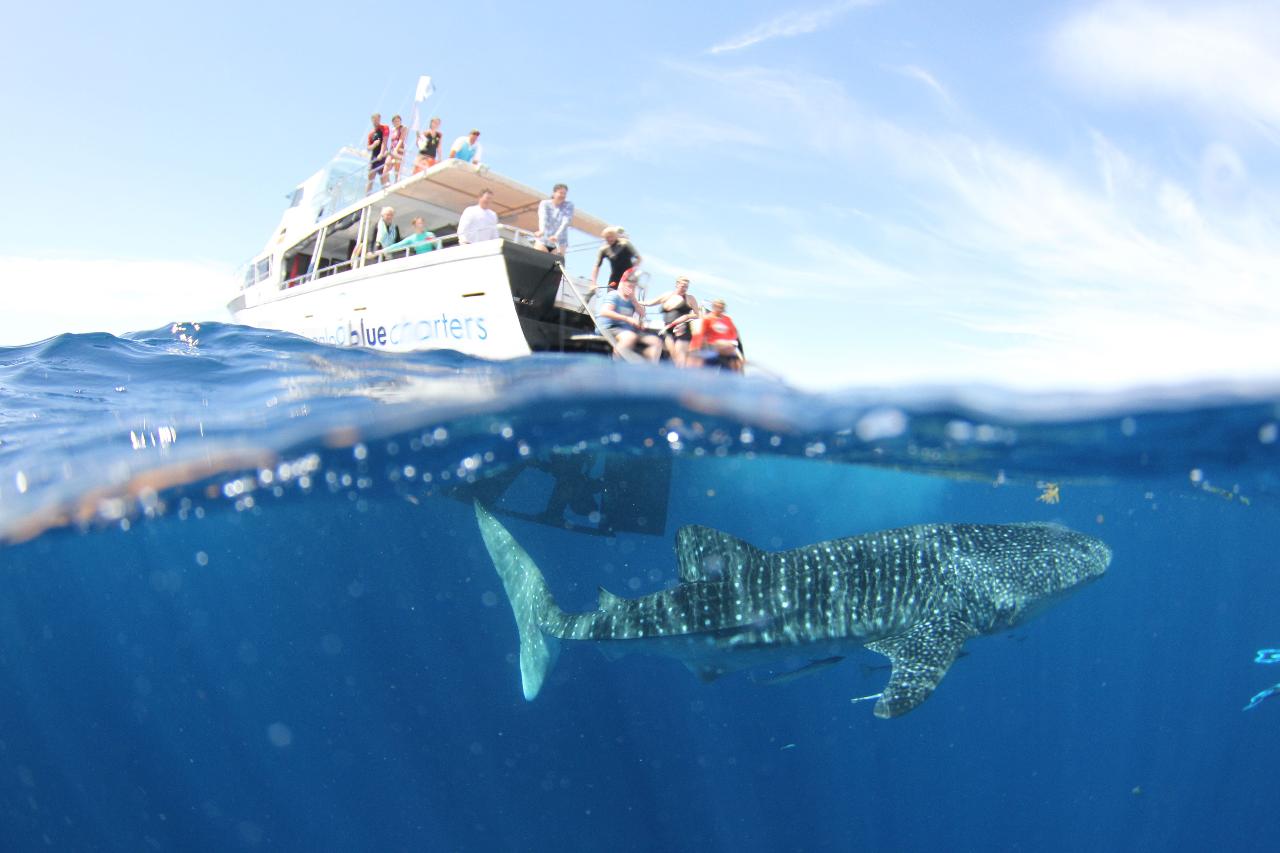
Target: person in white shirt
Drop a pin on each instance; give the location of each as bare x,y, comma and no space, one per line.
478,223
554,216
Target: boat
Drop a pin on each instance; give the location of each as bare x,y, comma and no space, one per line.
497,299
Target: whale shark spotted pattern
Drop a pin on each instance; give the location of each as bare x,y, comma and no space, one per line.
913,594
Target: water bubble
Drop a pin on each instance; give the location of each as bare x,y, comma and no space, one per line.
280,735
881,423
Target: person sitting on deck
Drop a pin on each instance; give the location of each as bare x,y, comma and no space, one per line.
716,340
621,254
554,216
466,148
419,242
478,223
679,310
623,317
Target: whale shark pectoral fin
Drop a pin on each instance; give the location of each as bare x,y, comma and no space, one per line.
920,659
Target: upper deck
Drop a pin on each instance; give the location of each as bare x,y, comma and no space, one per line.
330,215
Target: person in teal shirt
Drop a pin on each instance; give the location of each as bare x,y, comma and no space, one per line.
420,241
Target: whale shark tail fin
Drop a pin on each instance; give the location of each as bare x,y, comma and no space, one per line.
530,600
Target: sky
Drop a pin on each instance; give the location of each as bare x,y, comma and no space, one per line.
1035,195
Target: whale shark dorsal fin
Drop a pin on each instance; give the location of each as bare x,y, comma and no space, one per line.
608,600
920,659
703,553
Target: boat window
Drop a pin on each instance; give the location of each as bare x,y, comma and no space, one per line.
248,276
295,198
299,260
264,269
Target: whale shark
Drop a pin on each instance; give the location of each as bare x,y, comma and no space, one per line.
913,594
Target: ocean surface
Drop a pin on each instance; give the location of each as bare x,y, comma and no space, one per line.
244,605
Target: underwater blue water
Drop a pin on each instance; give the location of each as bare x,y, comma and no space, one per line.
244,605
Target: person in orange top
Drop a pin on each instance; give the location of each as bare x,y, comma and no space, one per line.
716,339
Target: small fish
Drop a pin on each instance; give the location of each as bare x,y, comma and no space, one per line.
1267,656
1258,698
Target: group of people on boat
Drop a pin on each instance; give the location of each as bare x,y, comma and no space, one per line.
386,147
690,335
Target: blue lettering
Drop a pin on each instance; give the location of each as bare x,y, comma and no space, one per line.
480,325
382,335
455,328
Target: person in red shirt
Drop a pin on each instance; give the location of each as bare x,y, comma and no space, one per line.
716,339
376,144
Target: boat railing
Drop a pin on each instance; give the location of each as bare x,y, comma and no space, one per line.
509,233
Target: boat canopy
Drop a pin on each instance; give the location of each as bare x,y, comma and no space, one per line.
454,184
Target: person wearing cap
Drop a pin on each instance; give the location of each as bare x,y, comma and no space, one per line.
622,256
467,148
679,310
622,315
554,216
716,339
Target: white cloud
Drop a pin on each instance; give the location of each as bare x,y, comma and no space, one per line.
789,24
930,82
47,297
1216,59
988,261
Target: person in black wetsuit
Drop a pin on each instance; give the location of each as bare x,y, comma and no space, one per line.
679,310
376,145
621,255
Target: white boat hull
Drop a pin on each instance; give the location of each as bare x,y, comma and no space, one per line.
462,298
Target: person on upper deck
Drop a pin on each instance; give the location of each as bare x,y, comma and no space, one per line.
679,310
554,217
621,254
395,148
621,315
467,148
428,146
419,242
376,145
716,340
478,222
